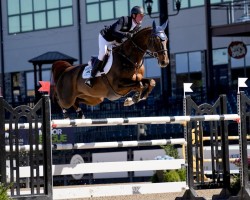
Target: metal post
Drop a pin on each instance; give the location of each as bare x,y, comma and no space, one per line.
165,72
225,144
2,144
209,58
2,50
47,143
242,103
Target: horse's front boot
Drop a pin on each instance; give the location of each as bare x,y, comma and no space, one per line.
136,97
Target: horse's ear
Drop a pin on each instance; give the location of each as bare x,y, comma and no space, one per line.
154,25
164,26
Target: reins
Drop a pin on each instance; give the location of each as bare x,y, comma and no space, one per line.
152,54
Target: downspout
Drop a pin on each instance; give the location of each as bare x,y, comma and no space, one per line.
2,92
79,31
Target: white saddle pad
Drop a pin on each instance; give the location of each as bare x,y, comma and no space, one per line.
87,71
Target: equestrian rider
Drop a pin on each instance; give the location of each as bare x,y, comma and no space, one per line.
122,29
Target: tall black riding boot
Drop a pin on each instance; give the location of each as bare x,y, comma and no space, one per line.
96,67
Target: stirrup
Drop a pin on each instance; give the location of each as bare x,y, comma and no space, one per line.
88,82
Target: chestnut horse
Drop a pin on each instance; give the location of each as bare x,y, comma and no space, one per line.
125,75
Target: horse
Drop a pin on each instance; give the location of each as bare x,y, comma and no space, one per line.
126,74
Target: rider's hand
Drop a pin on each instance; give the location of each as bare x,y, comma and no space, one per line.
129,35
123,39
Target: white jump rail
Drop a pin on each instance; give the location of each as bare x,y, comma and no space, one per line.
140,120
98,145
104,167
90,191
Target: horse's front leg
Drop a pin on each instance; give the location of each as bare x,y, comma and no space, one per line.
149,85
142,92
137,95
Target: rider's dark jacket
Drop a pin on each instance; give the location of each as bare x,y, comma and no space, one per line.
117,31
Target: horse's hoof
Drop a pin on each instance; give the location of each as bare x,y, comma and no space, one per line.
65,116
128,102
80,115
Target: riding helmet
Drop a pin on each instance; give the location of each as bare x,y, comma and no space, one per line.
137,10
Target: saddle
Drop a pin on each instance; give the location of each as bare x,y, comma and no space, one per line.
106,65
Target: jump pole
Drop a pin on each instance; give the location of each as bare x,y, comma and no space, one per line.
140,120
99,145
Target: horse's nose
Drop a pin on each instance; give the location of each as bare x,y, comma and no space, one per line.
164,63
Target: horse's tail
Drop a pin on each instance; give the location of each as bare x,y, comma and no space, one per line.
57,69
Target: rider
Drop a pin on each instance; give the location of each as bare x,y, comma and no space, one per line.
122,29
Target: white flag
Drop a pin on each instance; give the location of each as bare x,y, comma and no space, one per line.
187,87
242,82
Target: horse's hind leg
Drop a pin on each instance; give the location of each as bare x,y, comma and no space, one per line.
65,113
78,109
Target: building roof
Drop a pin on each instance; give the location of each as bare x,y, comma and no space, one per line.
52,56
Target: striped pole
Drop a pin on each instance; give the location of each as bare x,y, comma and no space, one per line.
140,120
60,123
119,144
219,138
98,145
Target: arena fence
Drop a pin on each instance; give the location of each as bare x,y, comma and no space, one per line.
212,119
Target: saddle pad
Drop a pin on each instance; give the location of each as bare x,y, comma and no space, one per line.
87,70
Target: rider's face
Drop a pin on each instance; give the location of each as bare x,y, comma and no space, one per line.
138,18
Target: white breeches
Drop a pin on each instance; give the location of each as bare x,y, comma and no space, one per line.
103,46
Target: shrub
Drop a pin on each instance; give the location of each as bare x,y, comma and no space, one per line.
171,151
235,184
3,192
155,179
182,174
171,176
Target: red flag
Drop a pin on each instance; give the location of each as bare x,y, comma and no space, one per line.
45,86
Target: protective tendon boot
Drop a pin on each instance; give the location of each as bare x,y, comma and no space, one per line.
96,67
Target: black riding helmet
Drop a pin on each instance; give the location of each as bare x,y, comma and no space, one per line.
137,10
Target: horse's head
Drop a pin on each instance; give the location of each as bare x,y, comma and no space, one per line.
158,44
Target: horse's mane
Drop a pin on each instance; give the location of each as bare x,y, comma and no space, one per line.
137,33
144,29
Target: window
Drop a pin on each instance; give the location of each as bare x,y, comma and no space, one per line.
152,68
195,3
31,15
113,9
240,67
189,69
220,56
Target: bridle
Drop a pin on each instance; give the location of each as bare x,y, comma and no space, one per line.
154,36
